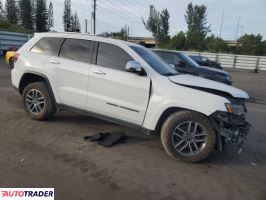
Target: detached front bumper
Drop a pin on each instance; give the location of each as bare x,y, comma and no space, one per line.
231,128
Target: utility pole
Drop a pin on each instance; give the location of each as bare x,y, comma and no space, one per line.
242,30
237,27
127,32
221,27
94,16
86,26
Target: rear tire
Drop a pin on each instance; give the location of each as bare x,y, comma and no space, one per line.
38,101
188,136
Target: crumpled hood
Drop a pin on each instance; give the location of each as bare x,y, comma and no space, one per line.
195,81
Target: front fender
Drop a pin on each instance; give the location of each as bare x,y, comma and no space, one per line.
189,99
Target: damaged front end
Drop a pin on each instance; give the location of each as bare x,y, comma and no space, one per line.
231,126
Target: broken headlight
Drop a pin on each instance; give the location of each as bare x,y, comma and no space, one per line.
235,108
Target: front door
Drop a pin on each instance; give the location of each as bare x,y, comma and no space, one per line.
114,92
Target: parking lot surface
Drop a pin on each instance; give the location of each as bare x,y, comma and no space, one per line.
53,154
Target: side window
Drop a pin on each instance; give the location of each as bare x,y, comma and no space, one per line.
170,57
77,49
48,46
112,56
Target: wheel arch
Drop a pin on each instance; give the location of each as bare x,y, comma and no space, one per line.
31,77
165,114
169,111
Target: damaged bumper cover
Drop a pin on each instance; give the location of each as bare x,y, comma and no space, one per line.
231,128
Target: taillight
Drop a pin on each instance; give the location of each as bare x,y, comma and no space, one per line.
16,56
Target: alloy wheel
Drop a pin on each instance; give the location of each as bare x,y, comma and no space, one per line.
34,101
189,138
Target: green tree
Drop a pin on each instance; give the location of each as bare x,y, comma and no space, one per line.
33,13
8,26
67,16
196,18
216,44
2,12
25,8
50,16
250,44
158,24
124,33
264,47
11,11
41,16
75,25
152,23
178,42
121,35
164,28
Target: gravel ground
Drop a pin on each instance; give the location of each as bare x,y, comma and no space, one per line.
53,154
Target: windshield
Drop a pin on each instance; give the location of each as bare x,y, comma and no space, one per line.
188,60
158,64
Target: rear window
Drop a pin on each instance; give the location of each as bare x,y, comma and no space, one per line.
48,46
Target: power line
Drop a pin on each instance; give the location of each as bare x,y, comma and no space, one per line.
137,5
115,14
110,11
120,11
132,8
115,28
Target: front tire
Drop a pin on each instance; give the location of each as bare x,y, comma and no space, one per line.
38,101
188,136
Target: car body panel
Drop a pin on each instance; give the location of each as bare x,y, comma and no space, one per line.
190,80
119,94
69,83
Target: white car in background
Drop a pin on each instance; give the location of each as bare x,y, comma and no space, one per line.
128,84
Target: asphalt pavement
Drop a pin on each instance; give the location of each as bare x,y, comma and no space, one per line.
53,154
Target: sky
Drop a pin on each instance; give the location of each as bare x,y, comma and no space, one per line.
112,15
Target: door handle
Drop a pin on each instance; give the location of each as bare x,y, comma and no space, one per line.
54,62
98,72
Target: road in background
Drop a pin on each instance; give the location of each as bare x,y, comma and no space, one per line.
253,83
53,154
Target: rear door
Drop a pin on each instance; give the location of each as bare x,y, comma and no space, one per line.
41,51
113,91
69,72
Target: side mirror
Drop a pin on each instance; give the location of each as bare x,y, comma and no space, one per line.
135,67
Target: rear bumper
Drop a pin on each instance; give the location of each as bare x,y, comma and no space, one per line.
230,128
15,77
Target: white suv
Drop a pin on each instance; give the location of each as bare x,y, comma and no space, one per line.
127,83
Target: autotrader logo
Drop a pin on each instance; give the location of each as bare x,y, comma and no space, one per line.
27,193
